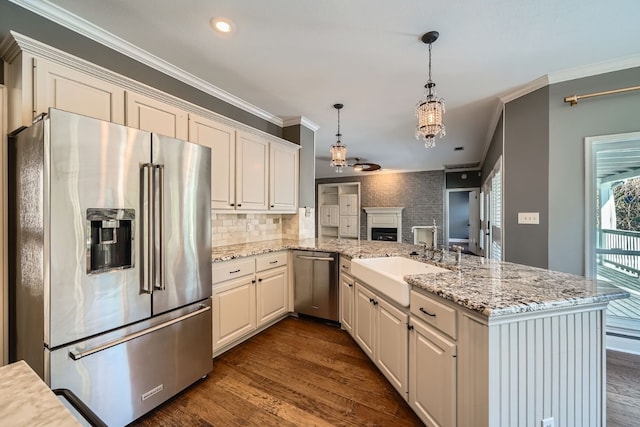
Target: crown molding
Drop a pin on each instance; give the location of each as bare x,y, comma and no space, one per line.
532,86
97,34
300,120
603,67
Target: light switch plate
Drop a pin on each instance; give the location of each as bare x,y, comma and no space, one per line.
528,217
547,422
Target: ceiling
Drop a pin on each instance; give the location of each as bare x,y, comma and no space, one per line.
298,58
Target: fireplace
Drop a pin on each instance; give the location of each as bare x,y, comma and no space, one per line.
384,223
385,234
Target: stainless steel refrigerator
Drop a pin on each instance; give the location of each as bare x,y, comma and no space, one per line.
111,261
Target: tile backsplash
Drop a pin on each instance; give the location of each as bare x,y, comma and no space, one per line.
231,229
302,225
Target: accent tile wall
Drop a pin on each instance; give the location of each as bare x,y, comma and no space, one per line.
420,193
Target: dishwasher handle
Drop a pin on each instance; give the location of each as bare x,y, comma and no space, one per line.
315,258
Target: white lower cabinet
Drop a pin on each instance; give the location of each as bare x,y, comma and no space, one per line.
392,341
365,319
432,375
380,328
347,290
248,295
271,294
234,310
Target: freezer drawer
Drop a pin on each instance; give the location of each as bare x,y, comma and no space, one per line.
143,369
316,284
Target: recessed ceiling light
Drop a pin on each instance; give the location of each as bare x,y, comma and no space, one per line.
222,25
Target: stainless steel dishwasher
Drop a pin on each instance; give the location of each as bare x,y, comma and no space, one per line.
315,276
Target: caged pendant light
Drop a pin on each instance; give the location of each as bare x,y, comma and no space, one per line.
430,110
338,150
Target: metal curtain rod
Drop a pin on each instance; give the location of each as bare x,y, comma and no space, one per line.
573,100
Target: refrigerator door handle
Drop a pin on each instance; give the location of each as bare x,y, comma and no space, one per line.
159,259
147,230
77,355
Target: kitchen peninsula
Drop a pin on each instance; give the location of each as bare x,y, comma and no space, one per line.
494,343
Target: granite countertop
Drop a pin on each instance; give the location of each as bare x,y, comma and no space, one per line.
25,400
491,288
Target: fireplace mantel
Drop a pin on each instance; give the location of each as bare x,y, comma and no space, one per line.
383,217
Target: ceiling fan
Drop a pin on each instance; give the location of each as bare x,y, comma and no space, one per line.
357,163
364,166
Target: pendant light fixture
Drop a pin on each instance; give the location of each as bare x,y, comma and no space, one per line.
338,150
430,110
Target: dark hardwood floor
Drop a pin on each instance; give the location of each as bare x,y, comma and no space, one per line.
623,389
297,373
303,373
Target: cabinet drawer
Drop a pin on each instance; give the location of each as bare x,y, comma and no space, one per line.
345,265
434,313
268,261
232,269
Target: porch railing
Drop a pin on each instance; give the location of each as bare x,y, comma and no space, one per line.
621,249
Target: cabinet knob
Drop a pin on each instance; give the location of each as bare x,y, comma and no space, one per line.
350,285
239,204
259,280
409,327
272,206
253,281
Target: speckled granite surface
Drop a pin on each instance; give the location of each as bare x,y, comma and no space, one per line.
25,400
491,288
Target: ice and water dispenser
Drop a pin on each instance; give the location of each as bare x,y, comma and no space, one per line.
110,234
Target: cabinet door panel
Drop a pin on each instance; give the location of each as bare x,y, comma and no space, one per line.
272,295
365,320
283,178
349,204
432,376
234,311
392,345
156,116
222,141
346,302
69,90
251,172
348,226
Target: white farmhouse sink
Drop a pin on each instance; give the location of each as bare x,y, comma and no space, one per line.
386,275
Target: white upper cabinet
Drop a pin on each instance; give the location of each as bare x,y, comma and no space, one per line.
349,204
251,170
283,178
222,141
252,177
59,87
156,116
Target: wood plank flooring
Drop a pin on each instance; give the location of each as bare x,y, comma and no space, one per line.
303,373
623,389
297,373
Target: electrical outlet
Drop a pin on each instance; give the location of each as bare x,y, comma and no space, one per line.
528,218
249,226
547,422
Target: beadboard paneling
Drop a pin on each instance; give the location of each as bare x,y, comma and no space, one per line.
549,367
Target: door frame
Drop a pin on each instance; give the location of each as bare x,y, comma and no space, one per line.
4,230
594,144
446,210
